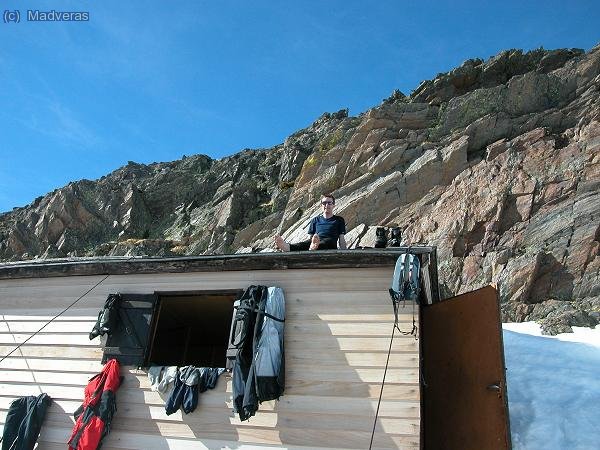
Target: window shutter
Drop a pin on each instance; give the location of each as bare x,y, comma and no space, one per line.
129,341
231,349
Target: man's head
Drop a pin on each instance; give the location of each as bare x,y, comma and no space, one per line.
327,204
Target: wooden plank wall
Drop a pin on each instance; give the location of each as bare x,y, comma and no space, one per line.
338,328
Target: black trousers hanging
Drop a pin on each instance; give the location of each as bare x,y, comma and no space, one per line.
24,422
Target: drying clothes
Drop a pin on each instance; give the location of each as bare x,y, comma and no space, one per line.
176,398
258,371
266,377
95,414
209,378
185,391
204,377
270,353
161,377
107,317
241,344
190,375
190,381
24,421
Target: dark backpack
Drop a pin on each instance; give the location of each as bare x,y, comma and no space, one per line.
107,317
242,328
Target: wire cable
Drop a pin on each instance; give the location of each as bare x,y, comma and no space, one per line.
54,318
382,384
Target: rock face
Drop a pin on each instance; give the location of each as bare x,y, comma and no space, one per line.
497,163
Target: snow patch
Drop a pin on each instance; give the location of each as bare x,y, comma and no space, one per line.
553,387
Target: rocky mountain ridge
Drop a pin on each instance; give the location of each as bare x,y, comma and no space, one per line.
495,162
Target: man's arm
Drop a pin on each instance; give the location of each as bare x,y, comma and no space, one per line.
342,241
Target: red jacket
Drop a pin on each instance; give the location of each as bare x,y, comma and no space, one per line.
98,407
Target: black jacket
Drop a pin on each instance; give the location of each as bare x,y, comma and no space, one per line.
24,421
107,317
258,370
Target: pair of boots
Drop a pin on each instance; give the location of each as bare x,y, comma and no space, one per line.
381,239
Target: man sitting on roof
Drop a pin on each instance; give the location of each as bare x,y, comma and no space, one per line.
325,231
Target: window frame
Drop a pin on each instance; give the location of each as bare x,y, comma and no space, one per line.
158,299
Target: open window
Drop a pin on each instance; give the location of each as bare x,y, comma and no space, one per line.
173,328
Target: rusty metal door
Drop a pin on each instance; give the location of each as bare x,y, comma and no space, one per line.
463,386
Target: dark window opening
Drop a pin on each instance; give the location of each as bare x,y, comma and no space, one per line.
192,329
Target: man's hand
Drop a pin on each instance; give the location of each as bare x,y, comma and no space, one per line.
342,241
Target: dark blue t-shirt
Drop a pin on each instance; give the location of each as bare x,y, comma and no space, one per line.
327,228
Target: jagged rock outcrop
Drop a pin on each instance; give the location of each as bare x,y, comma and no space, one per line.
496,163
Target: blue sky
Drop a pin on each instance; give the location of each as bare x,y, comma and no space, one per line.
154,80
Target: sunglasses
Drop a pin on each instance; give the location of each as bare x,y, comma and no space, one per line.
327,202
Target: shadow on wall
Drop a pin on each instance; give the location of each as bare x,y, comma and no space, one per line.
335,357
334,367
336,349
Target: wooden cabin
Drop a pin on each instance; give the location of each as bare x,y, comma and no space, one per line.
438,393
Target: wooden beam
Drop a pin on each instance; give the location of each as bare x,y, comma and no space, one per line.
325,259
